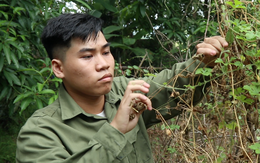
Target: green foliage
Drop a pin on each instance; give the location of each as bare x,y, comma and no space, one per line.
255,147
27,82
170,30
204,71
23,65
135,26
225,126
7,147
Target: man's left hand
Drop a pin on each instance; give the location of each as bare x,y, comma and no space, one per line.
211,48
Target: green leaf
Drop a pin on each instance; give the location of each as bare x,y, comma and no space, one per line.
255,147
238,64
128,41
18,98
250,35
204,71
142,10
173,127
25,103
29,71
39,103
15,79
239,90
22,96
253,90
14,59
249,101
8,77
10,39
95,13
19,47
119,45
136,67
230,37
40,86
163,127
52,99
231,125
56,80
128,72
45,69
4,92
230,3
172,150
243,98
139,51
258,34
5,14
107,5
153,75
3,23
84,4
4,5
17,10
6,49
47,91
219,60
2,60
145,71
111,29
108,36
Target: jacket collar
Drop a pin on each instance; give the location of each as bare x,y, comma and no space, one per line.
70,109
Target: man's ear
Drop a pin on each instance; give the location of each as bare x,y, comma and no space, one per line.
57,68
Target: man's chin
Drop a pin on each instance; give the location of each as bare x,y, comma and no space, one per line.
107,91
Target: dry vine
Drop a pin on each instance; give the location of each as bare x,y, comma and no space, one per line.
225,125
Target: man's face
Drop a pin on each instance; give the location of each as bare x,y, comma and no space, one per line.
88,68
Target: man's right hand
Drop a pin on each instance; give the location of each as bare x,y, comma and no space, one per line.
121,120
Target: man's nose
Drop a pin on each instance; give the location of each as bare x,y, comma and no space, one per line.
101,63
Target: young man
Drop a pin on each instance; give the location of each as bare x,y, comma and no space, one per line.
89,122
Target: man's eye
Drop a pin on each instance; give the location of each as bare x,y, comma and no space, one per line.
87,56
106,53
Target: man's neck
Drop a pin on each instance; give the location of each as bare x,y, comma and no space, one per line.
90,104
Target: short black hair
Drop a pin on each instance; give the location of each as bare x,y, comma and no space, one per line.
59,31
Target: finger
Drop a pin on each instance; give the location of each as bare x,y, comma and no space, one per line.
141,98
137,100
137,97
217,41
139,82
137,87
222,40
139,108
146,101
207,49
141,88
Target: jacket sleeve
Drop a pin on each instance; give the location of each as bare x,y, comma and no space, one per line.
40,143
160,94
163,98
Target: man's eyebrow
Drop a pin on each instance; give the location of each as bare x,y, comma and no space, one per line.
93,49
106,45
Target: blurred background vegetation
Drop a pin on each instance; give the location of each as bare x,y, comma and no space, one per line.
146,36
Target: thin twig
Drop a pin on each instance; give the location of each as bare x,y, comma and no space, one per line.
235,111
206,30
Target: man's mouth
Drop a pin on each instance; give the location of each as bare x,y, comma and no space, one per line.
106,77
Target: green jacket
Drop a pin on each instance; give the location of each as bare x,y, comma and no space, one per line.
63,132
